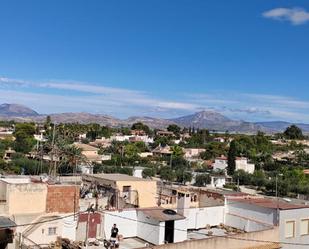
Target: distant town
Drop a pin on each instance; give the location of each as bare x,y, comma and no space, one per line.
73,185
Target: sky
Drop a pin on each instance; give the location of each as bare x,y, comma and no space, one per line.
248,60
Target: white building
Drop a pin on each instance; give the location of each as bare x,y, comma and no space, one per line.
190,153
220,163
218,181
154,225
241,163
254,213
132,138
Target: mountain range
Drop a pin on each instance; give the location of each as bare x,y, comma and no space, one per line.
204,119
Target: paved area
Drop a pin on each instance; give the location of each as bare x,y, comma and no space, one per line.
131,243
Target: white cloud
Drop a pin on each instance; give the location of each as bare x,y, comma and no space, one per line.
63,96
296,16
86,96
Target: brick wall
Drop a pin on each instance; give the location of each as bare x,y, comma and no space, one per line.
60,198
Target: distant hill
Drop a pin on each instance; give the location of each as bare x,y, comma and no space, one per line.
205,119
281,125
158,123
16,110
215,121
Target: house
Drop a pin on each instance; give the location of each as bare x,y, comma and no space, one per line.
241,163
219,139
220,163
138,132
90,152
101,142
145,154
161,150
191,153
252,214
138,172
218,181
6,132
8,154
165,133
35,200
125,190
155,226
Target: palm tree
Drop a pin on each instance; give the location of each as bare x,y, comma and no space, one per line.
72,156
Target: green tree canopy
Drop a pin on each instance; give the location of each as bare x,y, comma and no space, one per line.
293,132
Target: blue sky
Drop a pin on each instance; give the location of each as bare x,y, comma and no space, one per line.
245,59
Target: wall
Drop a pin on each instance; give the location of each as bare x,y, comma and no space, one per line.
60,198
244,224
201,217
2,191
229,243
261,214
147,191
26,198
210,199
296,215
180,232
125,220
39,233
149,229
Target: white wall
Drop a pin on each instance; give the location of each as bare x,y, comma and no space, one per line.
261,214
180,232
201,217
219,164
69,227
125,220
244,224
149,229
297,215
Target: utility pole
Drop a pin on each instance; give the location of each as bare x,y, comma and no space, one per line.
277,197
87,227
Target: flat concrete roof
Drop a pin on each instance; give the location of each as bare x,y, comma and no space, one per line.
117,177
159,214
5,222
16,180
268,203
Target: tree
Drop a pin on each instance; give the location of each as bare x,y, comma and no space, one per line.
202,179
72,156
148,172
177,151
231,158
131,152
167,174
183,176
293,132
174,128
24,140
140,126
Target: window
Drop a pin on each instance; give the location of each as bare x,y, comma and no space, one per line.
52,230
304,227
289,229
126,188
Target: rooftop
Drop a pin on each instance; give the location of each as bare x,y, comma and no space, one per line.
162,214
16,180
85,147
117,177
6,222
268,203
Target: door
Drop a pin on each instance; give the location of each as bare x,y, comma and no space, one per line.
169,231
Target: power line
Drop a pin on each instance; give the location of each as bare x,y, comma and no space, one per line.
40,222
